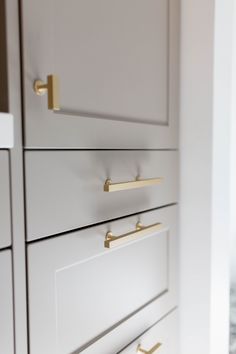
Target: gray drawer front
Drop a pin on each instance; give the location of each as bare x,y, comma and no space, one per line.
6,304
90,290
64,189
5,218
163,334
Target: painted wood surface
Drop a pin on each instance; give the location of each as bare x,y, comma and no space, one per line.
117,63
65,189
89,291
6,304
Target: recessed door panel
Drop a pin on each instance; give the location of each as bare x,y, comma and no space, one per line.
112,58
109,287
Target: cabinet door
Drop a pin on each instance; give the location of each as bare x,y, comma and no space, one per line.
117,65
6,304
5,218
87,290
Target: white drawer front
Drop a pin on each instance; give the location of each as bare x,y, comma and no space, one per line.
87,289
5,219
64,189
6,304
161,338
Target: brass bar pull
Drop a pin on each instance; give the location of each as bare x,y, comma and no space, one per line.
138,183
151,351
52,88
141,231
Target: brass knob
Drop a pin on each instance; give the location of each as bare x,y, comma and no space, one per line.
52,88
151,351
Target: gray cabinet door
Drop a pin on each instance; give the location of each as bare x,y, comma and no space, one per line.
6,304
117,64
80,291
5,218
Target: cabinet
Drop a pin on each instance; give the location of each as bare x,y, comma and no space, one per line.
5,211
117,66
99,177
89,290
6,304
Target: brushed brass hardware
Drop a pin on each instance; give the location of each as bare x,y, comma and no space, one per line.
151,351
140,231
52,88
138,183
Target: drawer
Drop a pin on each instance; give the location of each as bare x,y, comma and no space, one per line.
6,304
65,189
160,339
5,218
88,290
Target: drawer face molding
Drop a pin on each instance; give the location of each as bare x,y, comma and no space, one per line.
6,304
88,289
65,189
5,213
118,85
164,333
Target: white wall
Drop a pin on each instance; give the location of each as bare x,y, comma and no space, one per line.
206,55
233,162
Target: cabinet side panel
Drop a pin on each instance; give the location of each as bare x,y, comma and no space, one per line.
3,60
16,175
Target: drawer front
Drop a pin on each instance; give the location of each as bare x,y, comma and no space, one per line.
88,289
160,339
6,304
5,218
65,189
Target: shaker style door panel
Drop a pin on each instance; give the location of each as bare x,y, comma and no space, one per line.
6,304
161,338
93,285
65,189
5,212
116,64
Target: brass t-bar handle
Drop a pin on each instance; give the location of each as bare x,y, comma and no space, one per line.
140,231
52,88
151,351
109,186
